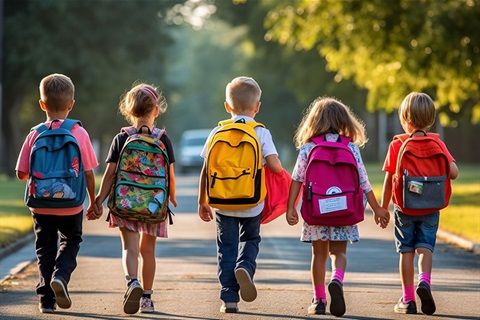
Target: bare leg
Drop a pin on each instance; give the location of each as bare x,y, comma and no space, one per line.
147,252
130,244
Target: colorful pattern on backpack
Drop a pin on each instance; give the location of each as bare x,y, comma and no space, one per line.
140,189
235,175
421,183
332,195
56,176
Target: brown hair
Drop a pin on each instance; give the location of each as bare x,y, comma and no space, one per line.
327,115
140,101
418,110
243,93
57,91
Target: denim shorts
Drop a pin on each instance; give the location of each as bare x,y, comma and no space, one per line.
413,232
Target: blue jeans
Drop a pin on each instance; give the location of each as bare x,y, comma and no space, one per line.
412,232
238,240
51,260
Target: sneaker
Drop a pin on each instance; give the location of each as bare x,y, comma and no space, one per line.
425,294
248,292
229,307
337,305
62,298
317,307
131,303
46,308
408,308
146,305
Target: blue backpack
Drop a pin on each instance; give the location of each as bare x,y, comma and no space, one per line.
56,176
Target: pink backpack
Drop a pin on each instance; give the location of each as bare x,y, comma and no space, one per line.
332,195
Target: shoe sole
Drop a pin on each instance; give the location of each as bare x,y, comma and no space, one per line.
428,304
147,310
61,295
131,304
248,292
229,310
337,305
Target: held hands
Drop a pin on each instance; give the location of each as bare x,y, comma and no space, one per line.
95,210
292,216
381,217
205,212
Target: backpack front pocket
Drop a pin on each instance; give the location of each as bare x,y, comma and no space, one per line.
424,192
135,198
227,181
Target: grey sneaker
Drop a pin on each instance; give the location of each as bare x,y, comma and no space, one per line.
408,308
62,297
248,292
229,307
425,294
146,305
317,307
131,303
337,305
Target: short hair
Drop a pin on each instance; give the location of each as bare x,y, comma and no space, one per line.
418,110
243,93
57,91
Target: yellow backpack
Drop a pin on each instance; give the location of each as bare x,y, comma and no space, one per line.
235,174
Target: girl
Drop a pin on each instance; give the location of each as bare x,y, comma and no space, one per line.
329,117
140,106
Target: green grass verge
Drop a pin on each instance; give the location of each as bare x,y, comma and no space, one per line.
461,217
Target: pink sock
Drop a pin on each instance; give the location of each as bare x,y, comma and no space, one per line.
319,293
338,274
424,277
408,294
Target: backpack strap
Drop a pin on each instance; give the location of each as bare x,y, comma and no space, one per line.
341,139
67,124
252,124
156,133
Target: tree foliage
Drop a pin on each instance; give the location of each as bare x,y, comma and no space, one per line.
392,47
103,46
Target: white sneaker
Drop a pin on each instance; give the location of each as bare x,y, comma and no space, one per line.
146,305
131,303
229,307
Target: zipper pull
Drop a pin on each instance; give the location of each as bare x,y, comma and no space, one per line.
214,176
309,191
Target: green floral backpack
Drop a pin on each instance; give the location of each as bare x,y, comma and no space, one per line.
140,189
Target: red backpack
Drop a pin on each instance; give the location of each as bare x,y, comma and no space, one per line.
332,195
421,183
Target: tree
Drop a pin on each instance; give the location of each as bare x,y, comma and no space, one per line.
392,48
104,46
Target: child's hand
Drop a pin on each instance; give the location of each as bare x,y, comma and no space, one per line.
92,212
173,200
205,212
292,216
381,217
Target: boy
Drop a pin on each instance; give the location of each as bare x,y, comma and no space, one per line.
414,233
238,231
58,224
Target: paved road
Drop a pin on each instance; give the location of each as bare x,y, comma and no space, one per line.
186,286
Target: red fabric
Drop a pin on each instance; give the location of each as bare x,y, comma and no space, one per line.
278,188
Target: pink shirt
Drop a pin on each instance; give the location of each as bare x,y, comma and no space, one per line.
89,160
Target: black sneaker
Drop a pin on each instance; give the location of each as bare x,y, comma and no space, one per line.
337,305
408,308
317,307
46,307
425,294
59,287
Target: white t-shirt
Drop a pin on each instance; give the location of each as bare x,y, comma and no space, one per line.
268,148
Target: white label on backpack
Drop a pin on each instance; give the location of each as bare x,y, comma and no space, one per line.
332,204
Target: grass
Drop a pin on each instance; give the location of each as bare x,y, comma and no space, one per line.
15,218
461,217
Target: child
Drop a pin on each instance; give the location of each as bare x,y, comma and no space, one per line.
329,117
58,224
140,106
414,233
238,231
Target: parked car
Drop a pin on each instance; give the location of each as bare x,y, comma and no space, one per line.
191,145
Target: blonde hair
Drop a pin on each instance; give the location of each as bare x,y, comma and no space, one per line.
57,91
243,93
327,115
418,110
140,101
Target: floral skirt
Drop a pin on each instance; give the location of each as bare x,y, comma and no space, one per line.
156,230
313,233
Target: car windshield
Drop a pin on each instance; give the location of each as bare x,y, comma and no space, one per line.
194,142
